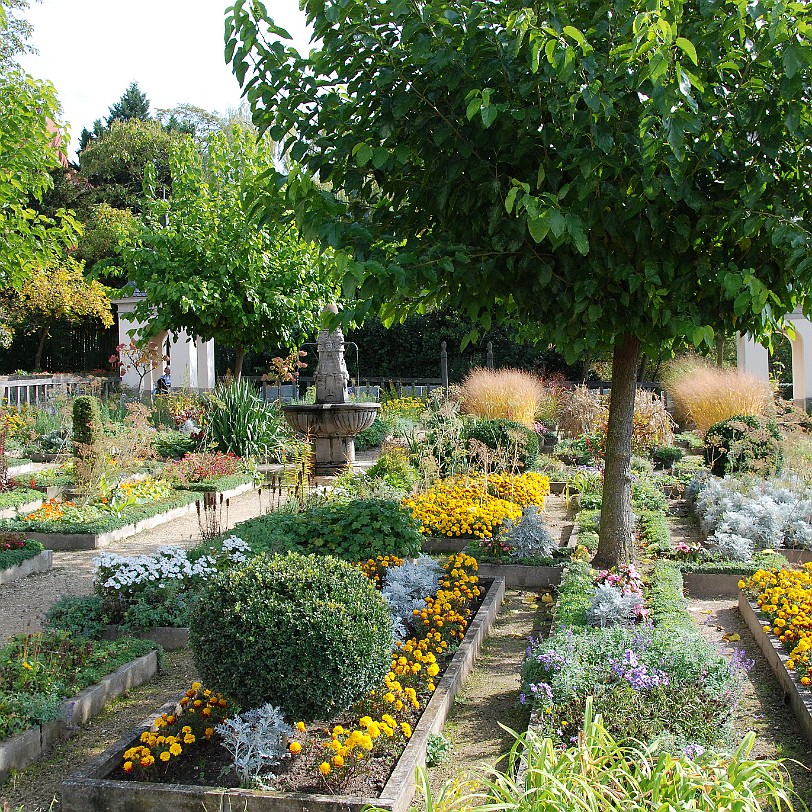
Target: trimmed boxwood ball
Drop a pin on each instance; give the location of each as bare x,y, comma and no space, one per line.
310,634
500,432
743,444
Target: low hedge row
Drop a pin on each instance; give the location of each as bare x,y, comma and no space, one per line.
12,555
19,496
220,484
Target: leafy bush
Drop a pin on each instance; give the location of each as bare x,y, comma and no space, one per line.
393,467
320,634
405,588
81,616
743,444
529,537
354,531
706,394
611,607
173,444
375,435
511,394
518,443
240,422
582,450
647,496
667,455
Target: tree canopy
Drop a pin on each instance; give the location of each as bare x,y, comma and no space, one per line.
29,147
616,176
207,265
132,104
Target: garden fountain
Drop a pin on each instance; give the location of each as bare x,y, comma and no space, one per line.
332,422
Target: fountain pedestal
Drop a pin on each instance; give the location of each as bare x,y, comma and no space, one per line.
332,422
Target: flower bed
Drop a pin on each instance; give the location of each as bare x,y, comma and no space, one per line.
647,680
62,720
100,785
21,557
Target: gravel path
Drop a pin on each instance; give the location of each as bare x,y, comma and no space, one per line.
23,603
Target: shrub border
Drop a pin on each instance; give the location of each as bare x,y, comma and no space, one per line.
89,791
24,749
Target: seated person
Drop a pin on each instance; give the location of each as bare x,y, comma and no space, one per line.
164,383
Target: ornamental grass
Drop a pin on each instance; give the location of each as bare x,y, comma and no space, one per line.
785,598
507,393
706,395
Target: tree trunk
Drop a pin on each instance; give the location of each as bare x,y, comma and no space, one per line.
40,347
239,356
617,532
720,350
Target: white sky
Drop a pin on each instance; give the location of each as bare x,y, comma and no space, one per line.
91,50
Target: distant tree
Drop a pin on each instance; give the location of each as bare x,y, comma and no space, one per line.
113,163
106,231
54,293
207,265
188,118
132,104
16,31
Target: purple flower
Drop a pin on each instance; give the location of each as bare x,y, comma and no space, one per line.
693,751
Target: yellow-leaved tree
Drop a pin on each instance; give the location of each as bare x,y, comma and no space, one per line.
59,292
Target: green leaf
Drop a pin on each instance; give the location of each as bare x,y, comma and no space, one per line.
538,227
687,47
510,198
489,114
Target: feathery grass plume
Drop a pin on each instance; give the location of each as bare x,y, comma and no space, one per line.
509,393
579,410
706,394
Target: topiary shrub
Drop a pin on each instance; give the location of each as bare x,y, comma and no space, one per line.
87,425
354,531
743,444
309,634
517,441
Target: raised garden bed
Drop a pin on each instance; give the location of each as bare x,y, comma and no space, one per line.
523,576
796,695
20,467
42,562
90,789
19,751
795,556
709,585
18,502
55,540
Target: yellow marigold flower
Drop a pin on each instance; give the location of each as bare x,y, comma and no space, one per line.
300,726
325,768
176,749
165,755
128,766
295,748
196,686
338,761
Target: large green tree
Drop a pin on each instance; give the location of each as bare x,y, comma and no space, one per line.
623,175
29,148
206,263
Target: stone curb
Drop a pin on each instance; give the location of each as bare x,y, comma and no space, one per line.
89,791
19,751
709,585
19,470
15,510
523,576
795,695
795,556
169,638
41,562
93,541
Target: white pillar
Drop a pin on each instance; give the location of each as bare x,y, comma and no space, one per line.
205,364
752,357
183,361
801,360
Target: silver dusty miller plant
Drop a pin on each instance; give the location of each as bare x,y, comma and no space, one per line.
256,741
610,607
406,587
530,537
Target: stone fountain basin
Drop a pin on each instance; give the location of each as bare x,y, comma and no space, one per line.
331,419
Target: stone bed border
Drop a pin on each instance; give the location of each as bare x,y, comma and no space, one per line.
24,749
42,562
169,638
89,791
795,695
93,541
15,510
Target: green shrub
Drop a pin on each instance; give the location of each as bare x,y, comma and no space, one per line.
652,527
517,441
647,496
374,435
14,550
667,455
309,634
743,444
394,469
81,615
173,444
583,450
354,531
87,425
